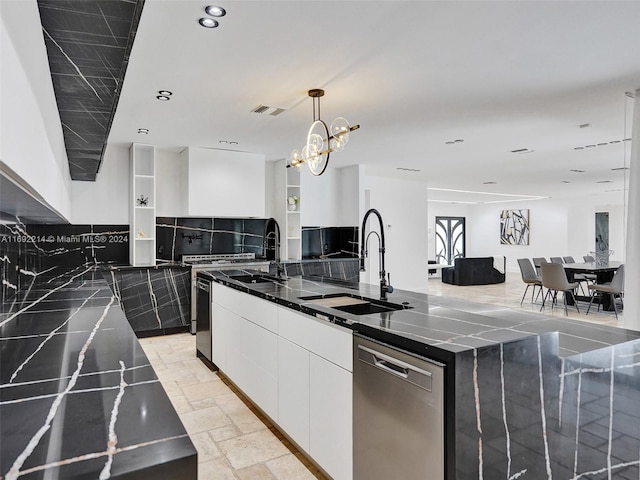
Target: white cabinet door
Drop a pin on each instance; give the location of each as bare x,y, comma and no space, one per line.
260,352
236,364
331,417
325,339
219,320
293,392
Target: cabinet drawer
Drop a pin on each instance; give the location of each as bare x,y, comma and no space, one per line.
325,339
259,311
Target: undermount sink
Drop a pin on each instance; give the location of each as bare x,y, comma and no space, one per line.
255,278
353,304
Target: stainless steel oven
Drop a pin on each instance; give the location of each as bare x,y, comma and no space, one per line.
218,262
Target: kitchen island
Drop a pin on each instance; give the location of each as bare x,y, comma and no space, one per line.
526,395
78,396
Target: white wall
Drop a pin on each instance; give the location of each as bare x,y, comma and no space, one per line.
105,201
558,228
32,143
403,207
333,199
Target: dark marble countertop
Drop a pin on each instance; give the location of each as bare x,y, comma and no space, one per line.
78,396
434,326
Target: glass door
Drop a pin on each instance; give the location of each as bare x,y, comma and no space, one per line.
450,239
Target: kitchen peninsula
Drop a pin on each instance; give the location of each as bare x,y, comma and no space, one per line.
526,396
78,396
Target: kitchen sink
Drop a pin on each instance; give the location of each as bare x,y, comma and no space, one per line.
353,304
256,278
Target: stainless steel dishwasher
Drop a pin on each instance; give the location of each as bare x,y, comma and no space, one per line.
204,339
398,414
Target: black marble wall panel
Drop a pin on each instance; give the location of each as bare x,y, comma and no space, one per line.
28,251
334,269
156,301
177,236
334,242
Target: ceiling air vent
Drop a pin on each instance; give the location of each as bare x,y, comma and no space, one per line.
522,150
265,110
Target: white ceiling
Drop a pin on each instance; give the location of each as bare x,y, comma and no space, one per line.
414,74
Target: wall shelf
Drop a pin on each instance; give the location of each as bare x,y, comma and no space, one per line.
287,182
142,249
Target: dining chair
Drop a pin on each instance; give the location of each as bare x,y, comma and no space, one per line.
554,279
580,277
537,261
613,288
588,259
556,259
530,277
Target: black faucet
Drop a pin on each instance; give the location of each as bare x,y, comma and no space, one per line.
384,286
265,243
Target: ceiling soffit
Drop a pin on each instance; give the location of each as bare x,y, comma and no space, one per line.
88,45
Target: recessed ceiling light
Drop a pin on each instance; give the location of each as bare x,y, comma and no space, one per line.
489,183
143,131
578,148
408,169
459,140
223,141
589,146
584,125
602,144
163,98
565,181
577,171
165,93
208,22
233,143
626,139
451,142
619,168
215,11
604,181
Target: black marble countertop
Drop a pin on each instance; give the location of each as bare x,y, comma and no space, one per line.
78,396
435,326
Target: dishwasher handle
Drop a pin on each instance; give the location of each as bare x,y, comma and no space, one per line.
203,285
410,373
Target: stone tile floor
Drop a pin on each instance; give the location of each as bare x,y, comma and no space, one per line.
234,441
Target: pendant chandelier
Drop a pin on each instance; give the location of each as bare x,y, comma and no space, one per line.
321,140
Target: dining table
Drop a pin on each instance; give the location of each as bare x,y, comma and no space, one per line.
603,272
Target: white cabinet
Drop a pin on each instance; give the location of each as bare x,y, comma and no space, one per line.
324,392
287,184
223,183
293,391
244,347
330,420
260,352
142,220
294,367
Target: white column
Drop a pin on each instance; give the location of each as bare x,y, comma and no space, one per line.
632,267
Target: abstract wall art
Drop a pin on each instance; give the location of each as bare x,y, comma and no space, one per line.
514,227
